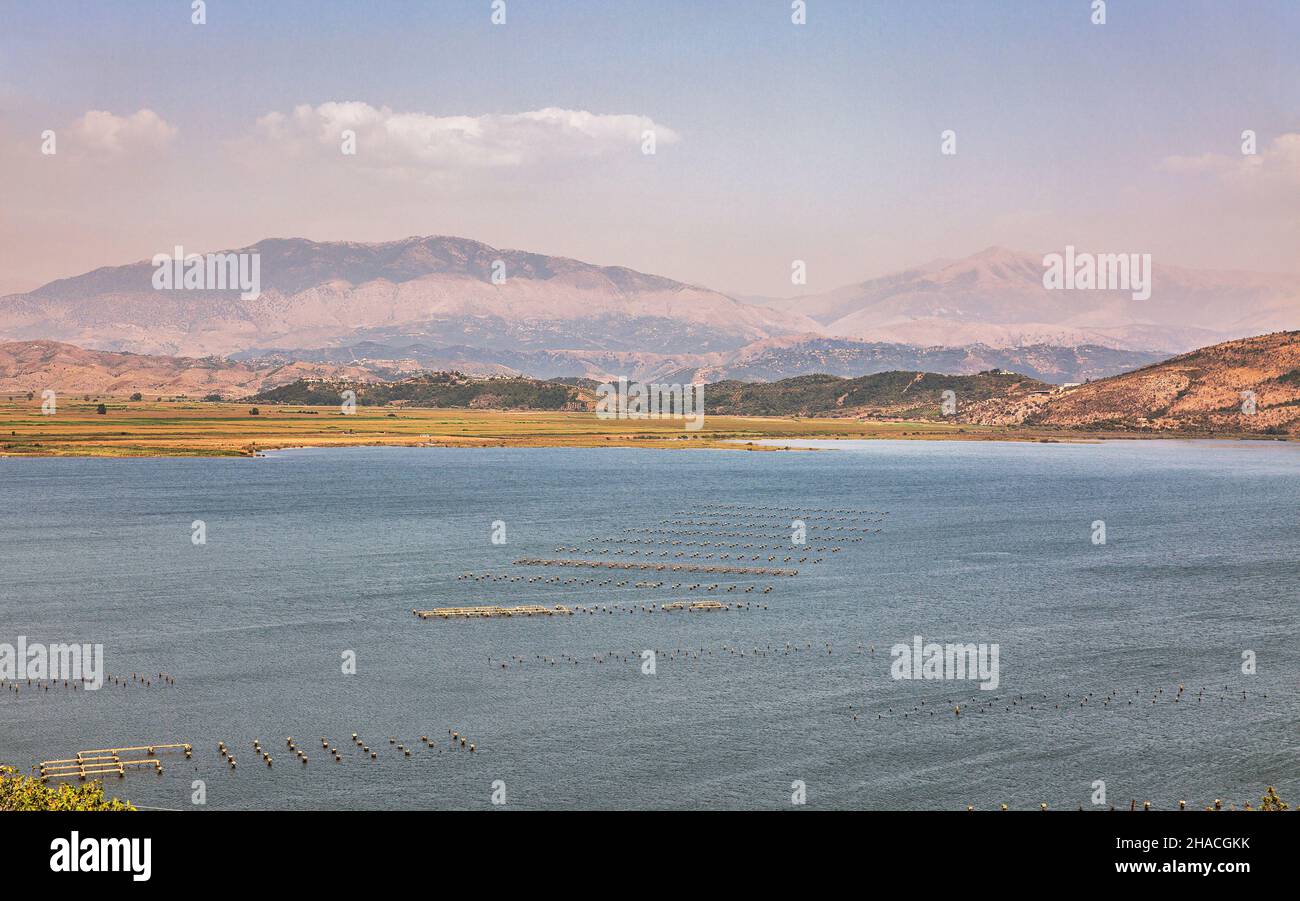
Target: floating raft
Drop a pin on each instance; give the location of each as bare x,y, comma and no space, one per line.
101,761
666,607
488,611
662,567
561,610
151,750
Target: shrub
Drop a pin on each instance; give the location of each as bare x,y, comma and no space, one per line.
19,792
1271,801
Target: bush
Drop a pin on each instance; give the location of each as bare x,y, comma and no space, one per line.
19,792
254,412
137,396
101,410
1271,801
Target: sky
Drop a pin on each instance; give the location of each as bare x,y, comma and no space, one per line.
774,141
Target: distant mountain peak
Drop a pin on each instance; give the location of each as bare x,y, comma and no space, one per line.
996,297
439,288
446,291
998,253
291,265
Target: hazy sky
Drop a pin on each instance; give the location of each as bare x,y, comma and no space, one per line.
775,141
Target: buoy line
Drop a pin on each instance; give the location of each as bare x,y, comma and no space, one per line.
659,567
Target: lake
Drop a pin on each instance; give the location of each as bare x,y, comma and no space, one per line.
314,556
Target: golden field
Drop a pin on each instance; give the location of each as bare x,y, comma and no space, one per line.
191,428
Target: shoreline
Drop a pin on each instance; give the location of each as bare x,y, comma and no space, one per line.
208,430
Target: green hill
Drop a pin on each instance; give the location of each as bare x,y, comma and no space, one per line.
437,389
910,395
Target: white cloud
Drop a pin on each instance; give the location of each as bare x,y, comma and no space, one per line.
1277,165
421,143
103,132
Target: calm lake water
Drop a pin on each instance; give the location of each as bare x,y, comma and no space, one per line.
312,553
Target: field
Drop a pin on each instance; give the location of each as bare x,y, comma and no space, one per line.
142,428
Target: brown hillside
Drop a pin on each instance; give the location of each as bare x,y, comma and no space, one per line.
1201,390
34,366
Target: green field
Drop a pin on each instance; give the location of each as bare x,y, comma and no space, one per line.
142,428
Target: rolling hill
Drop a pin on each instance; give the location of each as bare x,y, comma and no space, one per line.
34,366
1211,390
895,395
437,389
1247,386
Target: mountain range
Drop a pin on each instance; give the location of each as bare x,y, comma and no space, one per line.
1237,387
33,366
997,298
765,360
1245,387
447,303
435,289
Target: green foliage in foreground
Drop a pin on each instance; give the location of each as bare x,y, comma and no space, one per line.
19,792
1271,801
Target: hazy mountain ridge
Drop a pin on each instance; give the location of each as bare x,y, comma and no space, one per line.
430,303
35,366
315,294
767,360
996,297
554,312
291,265
777,359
